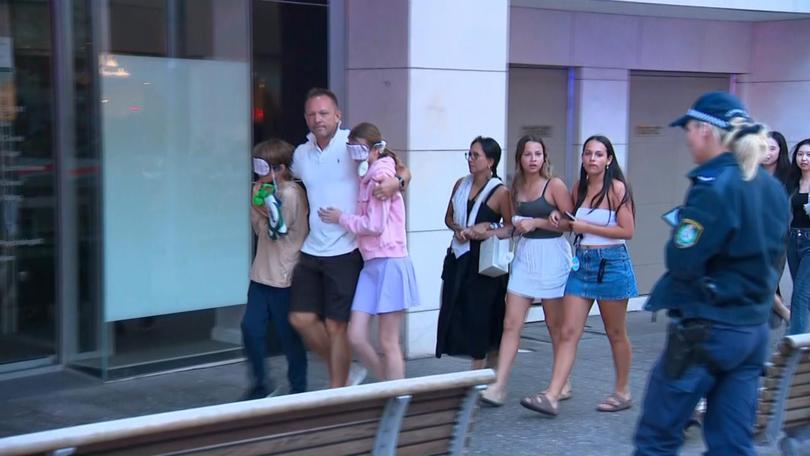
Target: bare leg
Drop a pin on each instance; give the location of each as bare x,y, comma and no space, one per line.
492,360
576,312
361,343
340,353
516,309
780,308
390,324
554,312
310,327
614,315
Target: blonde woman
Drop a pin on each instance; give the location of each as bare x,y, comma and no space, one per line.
542,255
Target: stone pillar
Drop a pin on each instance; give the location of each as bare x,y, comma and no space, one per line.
602,107
432,75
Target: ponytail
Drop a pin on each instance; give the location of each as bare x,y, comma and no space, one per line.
386,152
748,141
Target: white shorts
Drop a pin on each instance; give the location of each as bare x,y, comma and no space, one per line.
540,268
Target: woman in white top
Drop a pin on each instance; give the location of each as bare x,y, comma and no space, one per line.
601,272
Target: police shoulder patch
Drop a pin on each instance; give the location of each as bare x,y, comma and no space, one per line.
688,233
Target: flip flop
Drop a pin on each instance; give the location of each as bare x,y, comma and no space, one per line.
540,404
615,403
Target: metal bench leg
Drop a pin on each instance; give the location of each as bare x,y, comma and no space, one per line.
464,420
385,444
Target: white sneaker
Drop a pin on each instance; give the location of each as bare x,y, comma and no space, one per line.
357,374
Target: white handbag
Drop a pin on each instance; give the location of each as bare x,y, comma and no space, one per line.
495,256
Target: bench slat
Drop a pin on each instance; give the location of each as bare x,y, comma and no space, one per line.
426,448
425,435
205,436
429,420
765,408
776,371
362,446
799,378
303,441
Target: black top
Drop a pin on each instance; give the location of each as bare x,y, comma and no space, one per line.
800,217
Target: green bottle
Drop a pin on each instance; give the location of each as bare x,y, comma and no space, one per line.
264,191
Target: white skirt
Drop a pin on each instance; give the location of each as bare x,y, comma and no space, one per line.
540,268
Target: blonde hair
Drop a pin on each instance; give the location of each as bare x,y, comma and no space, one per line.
748,140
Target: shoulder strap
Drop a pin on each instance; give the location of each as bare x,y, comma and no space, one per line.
545,187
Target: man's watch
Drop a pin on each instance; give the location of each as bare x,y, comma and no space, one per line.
401,182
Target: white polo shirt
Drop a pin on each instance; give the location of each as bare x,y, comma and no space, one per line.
330,176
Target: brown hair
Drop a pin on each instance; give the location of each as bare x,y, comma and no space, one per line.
275,152
519,179
371,133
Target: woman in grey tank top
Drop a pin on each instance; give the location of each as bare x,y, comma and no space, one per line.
542,255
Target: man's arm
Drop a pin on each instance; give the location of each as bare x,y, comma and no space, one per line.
391,185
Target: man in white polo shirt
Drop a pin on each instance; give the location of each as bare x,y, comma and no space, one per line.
325,278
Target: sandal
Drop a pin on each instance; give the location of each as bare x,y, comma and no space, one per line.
541,404
615,403
563,396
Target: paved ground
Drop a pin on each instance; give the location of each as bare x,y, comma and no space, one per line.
50,401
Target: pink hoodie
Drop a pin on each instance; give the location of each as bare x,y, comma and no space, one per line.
380,224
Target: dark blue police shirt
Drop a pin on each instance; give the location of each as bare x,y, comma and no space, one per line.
722,257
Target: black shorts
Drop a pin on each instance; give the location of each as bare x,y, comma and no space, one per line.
325,285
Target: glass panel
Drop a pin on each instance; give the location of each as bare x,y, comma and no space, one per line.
174,110
27,183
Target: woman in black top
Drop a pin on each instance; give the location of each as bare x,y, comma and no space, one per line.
472,304
798,248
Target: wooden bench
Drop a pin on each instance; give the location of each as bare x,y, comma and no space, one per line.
415,416
784,400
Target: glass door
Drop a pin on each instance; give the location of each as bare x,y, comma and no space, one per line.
27,187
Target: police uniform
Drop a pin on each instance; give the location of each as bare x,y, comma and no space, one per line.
718,290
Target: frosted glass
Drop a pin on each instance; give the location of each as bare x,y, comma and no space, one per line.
176,180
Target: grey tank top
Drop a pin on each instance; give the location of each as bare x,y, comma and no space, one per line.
539,208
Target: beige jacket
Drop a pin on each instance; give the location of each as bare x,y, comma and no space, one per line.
275,260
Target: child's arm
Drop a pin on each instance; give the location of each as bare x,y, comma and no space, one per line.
295,211
372,223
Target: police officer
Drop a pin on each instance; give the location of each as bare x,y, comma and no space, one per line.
719,285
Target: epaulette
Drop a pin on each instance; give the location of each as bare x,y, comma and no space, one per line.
707,177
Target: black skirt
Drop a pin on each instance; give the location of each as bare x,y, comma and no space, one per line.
472,307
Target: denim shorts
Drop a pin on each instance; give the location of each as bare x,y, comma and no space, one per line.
603,274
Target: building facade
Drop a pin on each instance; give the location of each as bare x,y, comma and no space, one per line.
127,126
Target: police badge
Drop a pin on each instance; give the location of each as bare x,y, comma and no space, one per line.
688,233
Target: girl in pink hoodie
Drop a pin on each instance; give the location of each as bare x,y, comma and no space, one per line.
387,285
